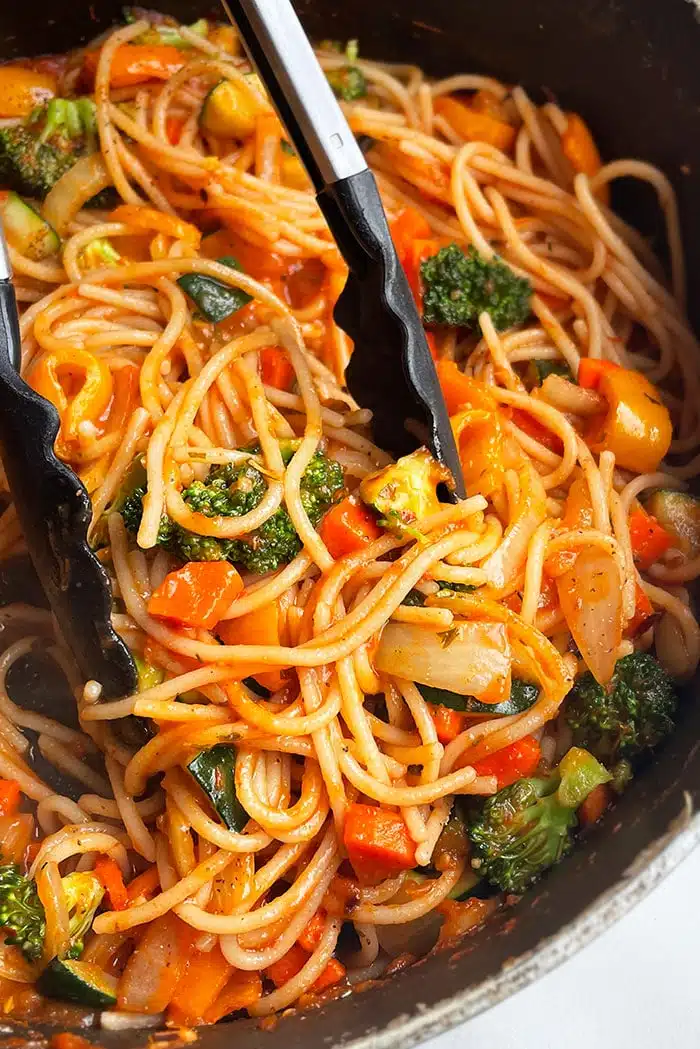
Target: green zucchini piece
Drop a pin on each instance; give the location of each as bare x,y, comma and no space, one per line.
214,299
215,772
80,982
522,695
148,675
679,514
257,688
25,229
538,370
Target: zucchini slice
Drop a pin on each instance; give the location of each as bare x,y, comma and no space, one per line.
679,513
81,982
522,695
229,111
25,229
215,300
215,772
538,370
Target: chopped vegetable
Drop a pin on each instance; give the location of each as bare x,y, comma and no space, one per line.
205,975
377,842
539,370
81,982
241,991
311,936
525,828
472,658
590,595
595,805
90,378
153,970
137,64
648,538
164,33
406,491
25,229
10,796
348,527
579,146
276,368
460,286
148,675
21,912
231,110
349,81
408,226
215,772
475,126
145,218
512,762
259,627
643,611
678,513
83,892
107,870
448,722
522,695
22,90
197,594
215,300
99,252
634,714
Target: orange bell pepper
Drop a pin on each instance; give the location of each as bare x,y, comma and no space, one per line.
643,611
474,125
649,539
197,594
415,255
276,368
173,129
477,428
408,226
294,961
143,885
145,218
126,396
534,428
22,90
458,389
311,936
241,991
515,761
590,370
377,842
205,976
637,426
347,527
78,384
107,870
138,63
259,627
448,723
581,151
10,796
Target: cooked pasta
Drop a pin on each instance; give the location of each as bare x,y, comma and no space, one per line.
345,680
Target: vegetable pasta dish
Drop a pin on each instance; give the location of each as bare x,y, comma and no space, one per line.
366,718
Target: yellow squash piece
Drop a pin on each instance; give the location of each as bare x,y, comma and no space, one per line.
637,427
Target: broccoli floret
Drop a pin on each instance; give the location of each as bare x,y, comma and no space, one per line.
632,715
349,81
526,828
458,287
83,892
35,154
232,491
406,490
21,911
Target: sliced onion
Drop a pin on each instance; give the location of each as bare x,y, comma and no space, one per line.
590,595
113,1020
472,658
148,982
80,183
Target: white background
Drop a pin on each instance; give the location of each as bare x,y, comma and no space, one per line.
635,987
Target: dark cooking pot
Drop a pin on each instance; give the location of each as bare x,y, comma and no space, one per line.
631,66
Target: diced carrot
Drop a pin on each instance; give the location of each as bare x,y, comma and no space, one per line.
648,538
288,965
67,1040
107,870
377,842
197,594
643,611
311,936
242,989
416,254
580,150
173,129
144,884
408,226
475,126
347,527
276,368
512,763
332,974
137,63
595,805
457,388
259,627
534,428
205,976
10,795
590,370
448,723
145,218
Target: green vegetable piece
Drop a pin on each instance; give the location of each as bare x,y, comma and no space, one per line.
37,152
458,287
522,696
148,675
100,252
83,892
631,716
215,772
81,982
414,599
526,828
539,370
348,82
679,513
26,230
21,912
257,688
214,299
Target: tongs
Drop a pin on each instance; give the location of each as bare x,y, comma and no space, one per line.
391,370
54,511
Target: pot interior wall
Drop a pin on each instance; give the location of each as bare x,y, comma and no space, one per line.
631,67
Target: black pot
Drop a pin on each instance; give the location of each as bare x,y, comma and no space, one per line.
632,68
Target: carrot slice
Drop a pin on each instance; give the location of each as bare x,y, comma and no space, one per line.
137,63
197,594
144,218
512,762
203,980
259,627
347,527
377,842
648,538
448,723
107,870
276,368
10,796
475,126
